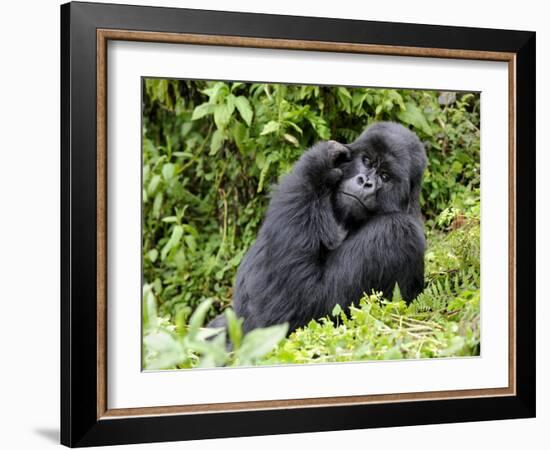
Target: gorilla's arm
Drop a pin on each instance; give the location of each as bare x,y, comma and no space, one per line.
285,263
301,206
388,249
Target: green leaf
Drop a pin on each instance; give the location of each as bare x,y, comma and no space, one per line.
393,353
153,254
336,310
168,171
217,92
396,295
412,115
207,333
456,344
174,240
185,129
259,342
270,127
320,126
345,99
153,184
260,160
239,133
244,108
182,315
457,167
265,167
236,85
191,242
222,115
234,328
148,146
213,352
344,92
197,318
358,99
157,204
149,308
296,127
288,137
202,110
191,230
216,142
230,101
455,305
166,350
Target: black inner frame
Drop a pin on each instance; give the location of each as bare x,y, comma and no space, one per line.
79,423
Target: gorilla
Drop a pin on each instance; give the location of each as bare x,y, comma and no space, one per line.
346,221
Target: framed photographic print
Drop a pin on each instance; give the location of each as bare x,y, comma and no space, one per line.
276,224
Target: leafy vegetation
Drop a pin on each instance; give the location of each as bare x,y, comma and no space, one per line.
212,151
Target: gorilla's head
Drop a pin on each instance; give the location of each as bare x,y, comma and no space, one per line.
384,173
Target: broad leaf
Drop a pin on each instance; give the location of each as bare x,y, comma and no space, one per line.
244,108
163,351
197,318
260,341
222,115
414,116
202,110
270,127
234,328
174,240
216,142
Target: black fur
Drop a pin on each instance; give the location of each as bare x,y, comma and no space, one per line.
345,221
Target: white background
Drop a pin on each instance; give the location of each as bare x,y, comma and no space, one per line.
128,387
29,229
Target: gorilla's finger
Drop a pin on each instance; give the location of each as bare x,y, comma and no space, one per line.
338,152
334,176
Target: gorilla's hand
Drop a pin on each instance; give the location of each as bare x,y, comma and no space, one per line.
337,154
319,165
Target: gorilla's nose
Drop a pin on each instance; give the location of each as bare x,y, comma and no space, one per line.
364,181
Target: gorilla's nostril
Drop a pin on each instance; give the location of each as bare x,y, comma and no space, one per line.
368,184
360,179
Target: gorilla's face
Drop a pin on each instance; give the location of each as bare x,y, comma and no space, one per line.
356,195
386,162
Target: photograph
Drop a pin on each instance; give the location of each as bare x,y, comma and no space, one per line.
279,224
306,224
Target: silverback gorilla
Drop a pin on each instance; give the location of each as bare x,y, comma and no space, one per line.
344,222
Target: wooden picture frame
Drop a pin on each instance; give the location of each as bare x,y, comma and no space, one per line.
86,418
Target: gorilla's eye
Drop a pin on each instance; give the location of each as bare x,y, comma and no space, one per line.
366,161
385,177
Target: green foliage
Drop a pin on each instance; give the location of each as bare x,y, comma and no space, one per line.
169,346
211,153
